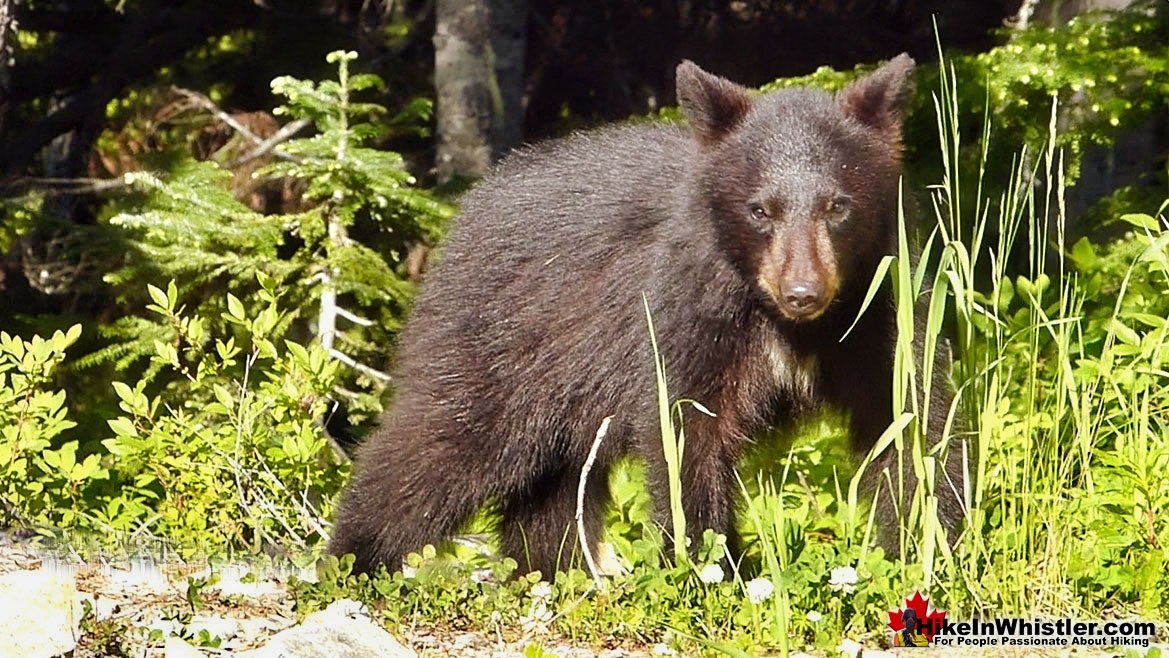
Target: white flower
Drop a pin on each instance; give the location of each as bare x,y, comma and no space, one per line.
843,579
537,618
542,590
759,590
814,616
711,574
660,649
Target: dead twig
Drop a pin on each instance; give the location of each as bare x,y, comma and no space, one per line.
580,495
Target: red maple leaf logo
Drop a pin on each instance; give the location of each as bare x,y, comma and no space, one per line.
930,621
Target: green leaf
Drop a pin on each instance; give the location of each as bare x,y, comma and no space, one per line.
158,296
235,308
1083,254
874,286
123,391
1142,221
266,281
1124,333
123,426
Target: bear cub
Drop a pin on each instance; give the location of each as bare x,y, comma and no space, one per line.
753,232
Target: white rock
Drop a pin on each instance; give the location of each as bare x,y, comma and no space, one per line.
104,607
849,647
147,574
215,625
339,630
40,613
177,647
231,583
345,608
155,622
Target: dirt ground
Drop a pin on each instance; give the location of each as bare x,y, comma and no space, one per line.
131,597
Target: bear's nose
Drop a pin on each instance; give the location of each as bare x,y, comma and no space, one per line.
803,299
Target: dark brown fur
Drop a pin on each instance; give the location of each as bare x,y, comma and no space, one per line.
753,234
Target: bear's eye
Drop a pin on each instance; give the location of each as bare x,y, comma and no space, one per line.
839,206
758,212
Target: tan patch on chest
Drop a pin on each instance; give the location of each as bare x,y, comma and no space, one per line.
789,371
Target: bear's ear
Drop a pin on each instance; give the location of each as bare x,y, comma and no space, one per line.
880,100
713,105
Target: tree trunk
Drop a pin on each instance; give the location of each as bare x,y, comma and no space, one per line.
479,83
1059,12
1104,168
7,47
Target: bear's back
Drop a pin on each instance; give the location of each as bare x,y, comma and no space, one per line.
573,193
542,271
573,217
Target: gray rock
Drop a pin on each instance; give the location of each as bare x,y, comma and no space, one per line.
343,630
40,614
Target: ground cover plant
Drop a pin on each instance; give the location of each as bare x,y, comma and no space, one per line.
1063,400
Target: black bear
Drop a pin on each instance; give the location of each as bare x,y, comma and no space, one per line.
753,233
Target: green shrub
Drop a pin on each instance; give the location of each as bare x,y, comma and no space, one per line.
231,460
234,458
37,478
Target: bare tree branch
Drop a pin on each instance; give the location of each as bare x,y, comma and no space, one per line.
355,319
206,103
58,186
7,32
358,366
267,145
1022,18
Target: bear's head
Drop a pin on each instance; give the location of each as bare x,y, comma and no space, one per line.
801,186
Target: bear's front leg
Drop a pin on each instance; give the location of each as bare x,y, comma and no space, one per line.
709,483
864,388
